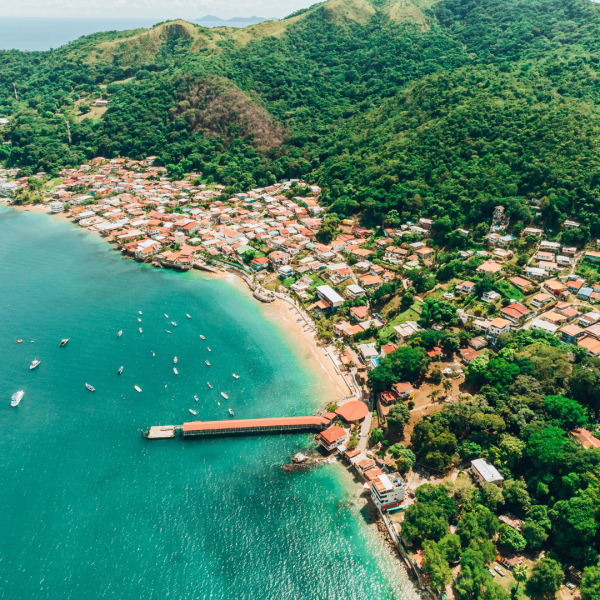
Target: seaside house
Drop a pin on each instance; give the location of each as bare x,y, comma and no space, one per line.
387,494
331,438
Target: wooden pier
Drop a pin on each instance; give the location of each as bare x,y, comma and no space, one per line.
162,432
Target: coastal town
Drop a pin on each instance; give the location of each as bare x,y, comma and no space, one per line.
363,293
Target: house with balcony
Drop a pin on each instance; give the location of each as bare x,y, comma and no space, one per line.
466,288
516,313
387,494
331,438
540,300
497,327
571,334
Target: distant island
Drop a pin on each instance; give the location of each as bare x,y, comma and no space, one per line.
214,19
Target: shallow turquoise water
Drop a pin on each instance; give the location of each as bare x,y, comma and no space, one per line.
90,509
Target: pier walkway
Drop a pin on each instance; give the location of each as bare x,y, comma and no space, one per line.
283,424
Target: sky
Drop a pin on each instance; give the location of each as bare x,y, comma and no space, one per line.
151,9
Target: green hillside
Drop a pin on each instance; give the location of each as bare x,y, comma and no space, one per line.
425,108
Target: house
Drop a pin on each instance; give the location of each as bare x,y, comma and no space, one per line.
331,438
550,246
341,327
360,313
466,287
594,331
571,225
490,296
575,285
585,293
555,287
585,438
388,349
478,342
541,325
591,344
521,284
567,310
404,390
354,291
405,330
387,494
489,267
370,281
571,334
388,397
587,319
485,473
497,327
481,324
540,300
593,256
535,272
501,254
516,312
258,264
330,296
435,351
395,255
511,521
468,354
424,253
563,261
532,231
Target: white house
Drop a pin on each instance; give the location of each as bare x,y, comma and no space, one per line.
485,473
498,326
329,295
387,494
354,291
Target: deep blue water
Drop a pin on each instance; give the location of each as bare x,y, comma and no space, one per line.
90,509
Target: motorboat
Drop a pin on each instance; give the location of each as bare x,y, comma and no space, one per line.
175,360
175,371
207,363
208,349
90,387
120,371
138,388
210,386
64,342
201,337
166,315
188,316
153,354
225,395
139,320
119,334
21,341
193,412
231,412
196,398
140,312
167,331
34,364
173,323
16,398
236,376
141,330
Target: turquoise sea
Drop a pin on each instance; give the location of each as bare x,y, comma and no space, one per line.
90,509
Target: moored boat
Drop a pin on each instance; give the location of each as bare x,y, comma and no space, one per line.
120,334
208,349
34,364
210,386
90,387
193,412
236,376
166,315
207,363
188,316
231,412
16,398
175,360
225,395
64,342
173,323
140,312
202,337
175,371
196,398
167,331
138,388
141,330
120,371
139,320
19,341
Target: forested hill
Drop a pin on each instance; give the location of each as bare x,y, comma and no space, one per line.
422,107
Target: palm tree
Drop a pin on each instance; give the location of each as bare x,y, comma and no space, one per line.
446,385
435,392
520,575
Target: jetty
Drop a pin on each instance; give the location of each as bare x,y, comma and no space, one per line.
239,426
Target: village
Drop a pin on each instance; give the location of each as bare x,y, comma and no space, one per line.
365,292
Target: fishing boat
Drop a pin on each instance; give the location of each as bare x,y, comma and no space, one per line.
90,387
120,371
138,388
236,376
207,363
193,412
64,342
175,371
21,341
225,395
196,398
173,323
141,330
231,412
188,316
166,315
175,360
16,398
202,337
208,384
119,334
34,364
209,349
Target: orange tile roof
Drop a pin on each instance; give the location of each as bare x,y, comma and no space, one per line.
251,423
355,410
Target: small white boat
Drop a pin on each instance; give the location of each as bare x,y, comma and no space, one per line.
138,388
120,371
64,342
236,376
208,384
16,398
193,412
225,395
119,334
90,387
166,316
139,320
208,349
167,331
196,398
202,337
175,360
140,312
175,371
153,354
141,330
231,412
207,363
173,323
188,316
34,364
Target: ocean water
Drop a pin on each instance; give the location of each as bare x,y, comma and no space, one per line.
37,33
91,509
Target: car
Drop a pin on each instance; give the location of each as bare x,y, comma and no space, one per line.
570,585
499,571
492,572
